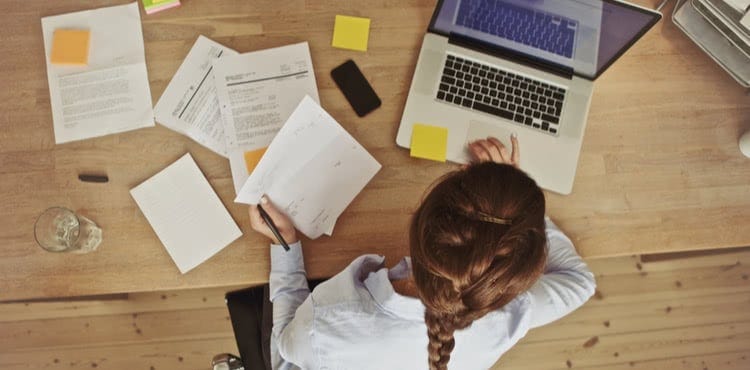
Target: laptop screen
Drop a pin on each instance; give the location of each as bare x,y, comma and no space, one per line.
586,36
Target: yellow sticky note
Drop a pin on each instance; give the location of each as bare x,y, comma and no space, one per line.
70,47
429,142
252,158
351,33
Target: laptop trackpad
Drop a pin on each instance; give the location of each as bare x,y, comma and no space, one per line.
482,129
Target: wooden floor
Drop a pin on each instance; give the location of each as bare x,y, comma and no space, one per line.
687,313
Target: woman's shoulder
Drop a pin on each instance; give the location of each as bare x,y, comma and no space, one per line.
347,286
510,322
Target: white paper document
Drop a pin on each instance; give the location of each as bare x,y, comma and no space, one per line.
739,5
186,214
257,92
189,104
312,170
109,95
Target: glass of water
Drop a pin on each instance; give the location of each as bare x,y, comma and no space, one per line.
62,230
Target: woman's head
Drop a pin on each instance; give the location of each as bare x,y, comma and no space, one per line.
477,241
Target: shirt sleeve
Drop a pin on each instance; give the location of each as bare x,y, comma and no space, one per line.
567,282
288,289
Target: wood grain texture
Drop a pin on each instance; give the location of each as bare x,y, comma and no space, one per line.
640,319
660,169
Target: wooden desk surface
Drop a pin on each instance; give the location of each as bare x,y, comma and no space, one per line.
660,168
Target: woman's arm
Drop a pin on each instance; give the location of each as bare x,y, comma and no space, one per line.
287,284
288,287
567,282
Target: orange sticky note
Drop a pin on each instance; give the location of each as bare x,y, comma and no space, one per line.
429,142
70,47
252,158
351,33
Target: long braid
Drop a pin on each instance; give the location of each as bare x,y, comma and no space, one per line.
466,260
440,333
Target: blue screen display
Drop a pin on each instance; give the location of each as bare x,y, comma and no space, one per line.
583,35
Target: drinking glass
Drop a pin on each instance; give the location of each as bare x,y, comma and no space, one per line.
59,229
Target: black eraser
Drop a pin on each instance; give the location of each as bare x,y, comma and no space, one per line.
93,178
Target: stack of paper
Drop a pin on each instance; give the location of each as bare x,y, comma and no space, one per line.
186,214
312,170
96,70
257,92
155,6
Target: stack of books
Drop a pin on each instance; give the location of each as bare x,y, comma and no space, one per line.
155,6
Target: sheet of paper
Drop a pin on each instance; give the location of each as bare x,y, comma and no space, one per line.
257,92
312,170
189,104
740,5
186,214
429,142
329,232
351,33
109,95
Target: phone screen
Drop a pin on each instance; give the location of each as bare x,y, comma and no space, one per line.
355,87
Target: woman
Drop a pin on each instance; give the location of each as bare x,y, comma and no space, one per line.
485,268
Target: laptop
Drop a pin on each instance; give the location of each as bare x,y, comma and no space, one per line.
496,67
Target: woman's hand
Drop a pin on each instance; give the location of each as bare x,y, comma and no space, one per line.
492,150
282,222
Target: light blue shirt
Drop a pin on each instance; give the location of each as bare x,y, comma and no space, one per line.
356,320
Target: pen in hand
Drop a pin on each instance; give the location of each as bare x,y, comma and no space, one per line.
273,227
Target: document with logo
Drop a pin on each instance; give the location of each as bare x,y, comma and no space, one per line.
189,104
257,92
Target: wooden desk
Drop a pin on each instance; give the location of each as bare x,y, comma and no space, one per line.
660,168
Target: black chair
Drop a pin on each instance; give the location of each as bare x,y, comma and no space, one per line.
251,313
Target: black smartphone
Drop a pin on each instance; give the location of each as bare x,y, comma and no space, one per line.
355,87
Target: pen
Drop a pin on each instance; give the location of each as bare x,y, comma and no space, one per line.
273,228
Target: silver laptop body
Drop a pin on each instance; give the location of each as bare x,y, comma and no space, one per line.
485,69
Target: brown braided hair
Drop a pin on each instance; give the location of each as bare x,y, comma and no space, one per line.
477,241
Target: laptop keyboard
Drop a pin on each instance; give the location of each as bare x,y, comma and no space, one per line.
534,28
490,90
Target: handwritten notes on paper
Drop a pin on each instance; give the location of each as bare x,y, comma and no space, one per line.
312,170
110,93
351,33
189,104
429,142
257,92
186,214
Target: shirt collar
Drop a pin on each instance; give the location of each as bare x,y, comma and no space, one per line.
379,285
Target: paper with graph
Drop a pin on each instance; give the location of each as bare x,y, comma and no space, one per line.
312,170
